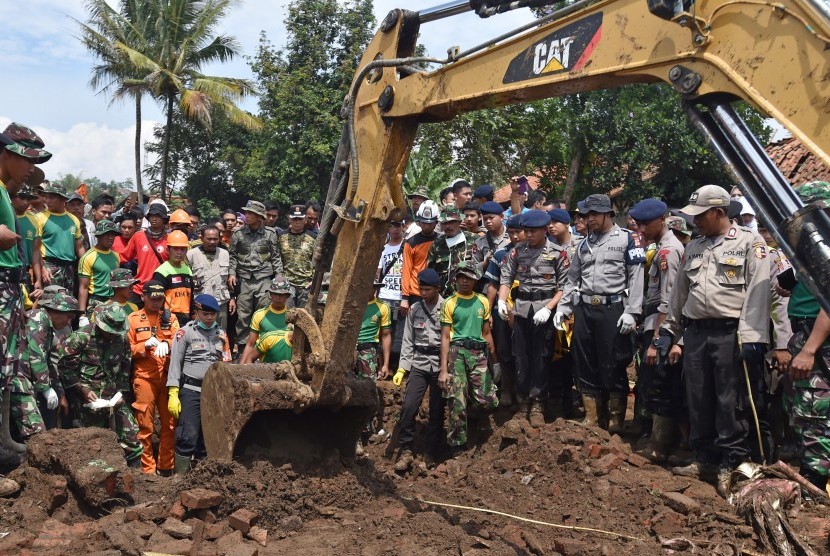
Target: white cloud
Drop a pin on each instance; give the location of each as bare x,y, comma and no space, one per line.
91,150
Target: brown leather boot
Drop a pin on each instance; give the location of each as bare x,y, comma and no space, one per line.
537,414
592,405
616,414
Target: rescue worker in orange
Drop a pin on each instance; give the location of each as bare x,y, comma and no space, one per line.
151,336
176,277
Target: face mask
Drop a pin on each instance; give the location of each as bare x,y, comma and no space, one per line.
203,326
456,239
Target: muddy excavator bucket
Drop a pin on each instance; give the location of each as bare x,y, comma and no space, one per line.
292,410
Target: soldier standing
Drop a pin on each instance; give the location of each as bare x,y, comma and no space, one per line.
296,246
254,260
659,379
450,249
210,266
465,341
33,375
94,269
197,345
722,300
540,266
60,234
95,363
151,336
421,358
496,237
269,319
606,264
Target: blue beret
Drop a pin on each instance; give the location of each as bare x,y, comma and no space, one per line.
428,277
485,191
206,302
514,222
560,215
648,209
535,218
491,207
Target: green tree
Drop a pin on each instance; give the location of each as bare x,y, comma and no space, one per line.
184,42
132,25
303,88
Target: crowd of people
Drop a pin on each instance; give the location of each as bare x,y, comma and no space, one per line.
529,308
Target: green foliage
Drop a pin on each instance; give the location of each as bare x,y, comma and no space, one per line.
208,208
303,87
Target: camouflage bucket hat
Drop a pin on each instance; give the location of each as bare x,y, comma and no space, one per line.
468,269
50,291
26,193
23,141
678,223
255,207
449,214
279,285
106,227
62,302
111,318
56,189
122,278
814,191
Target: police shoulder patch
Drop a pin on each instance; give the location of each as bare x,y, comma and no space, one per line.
760,249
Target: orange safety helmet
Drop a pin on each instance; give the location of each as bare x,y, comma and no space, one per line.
177,238
179,216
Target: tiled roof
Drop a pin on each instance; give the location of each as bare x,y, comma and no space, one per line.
797,163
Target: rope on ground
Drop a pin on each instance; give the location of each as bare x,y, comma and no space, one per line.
528,520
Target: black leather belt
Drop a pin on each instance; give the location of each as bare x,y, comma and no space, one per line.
428,350
11,275
190,381
535,296
593,299
470,344
712,323
59,262
367,345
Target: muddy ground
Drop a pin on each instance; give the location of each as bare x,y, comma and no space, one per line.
563,473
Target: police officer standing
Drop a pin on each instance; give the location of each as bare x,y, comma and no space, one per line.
606,264
659,380
496,237
421,357
198,345
540,266
722,300
254,260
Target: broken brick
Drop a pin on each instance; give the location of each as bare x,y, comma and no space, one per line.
176,528
205,515
177,510
681,503
242,519
594,450
637,460
200,498
607,463
214,531
259,535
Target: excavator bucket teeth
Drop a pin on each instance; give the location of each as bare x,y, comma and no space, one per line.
263,412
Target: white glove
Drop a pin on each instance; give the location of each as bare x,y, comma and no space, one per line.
626,323
162,349
502,308
83,320
151,343
559,320
51,398
541,316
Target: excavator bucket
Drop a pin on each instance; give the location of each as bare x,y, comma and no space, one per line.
265,412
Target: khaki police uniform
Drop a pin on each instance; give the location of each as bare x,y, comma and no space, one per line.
721,296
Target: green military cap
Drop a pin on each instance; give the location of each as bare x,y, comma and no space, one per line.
50,291
468,269
75,197
122,278
256,207
62,302
678,224
23,141
111,318
56,189
814,191
106,227
448,214
27,193
279,285
419,192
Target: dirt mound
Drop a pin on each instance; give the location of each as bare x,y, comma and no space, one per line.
577,477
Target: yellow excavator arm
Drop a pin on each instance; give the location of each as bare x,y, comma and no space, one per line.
773,55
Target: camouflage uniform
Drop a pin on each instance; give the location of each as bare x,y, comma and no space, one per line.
254,260
296,251
444,259
32,374
96,357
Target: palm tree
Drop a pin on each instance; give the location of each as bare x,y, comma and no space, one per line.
132,24
183,42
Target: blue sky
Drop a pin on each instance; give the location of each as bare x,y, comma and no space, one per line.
46,70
